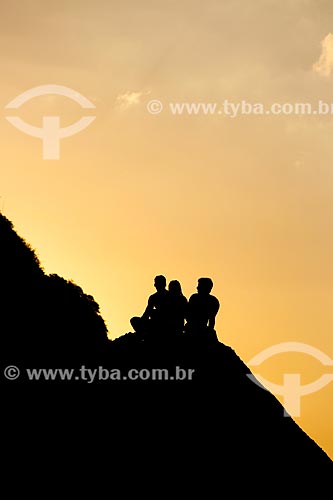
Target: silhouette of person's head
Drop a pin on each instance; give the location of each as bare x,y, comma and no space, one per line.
160,283
205,286
175,287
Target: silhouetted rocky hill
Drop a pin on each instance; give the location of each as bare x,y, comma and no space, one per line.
182,411
43,317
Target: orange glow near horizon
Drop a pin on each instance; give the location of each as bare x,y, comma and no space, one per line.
246,201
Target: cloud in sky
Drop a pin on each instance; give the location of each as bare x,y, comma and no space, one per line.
324,65
129,99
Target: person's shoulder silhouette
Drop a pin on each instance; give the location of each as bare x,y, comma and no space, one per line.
203,307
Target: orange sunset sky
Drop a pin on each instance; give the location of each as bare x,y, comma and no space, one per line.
245,200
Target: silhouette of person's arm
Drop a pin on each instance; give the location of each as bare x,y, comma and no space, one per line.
211,322
189,309
213,312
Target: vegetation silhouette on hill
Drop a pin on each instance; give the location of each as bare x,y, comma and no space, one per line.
43,316
217,420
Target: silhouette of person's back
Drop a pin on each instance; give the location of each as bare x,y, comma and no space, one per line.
178,307
155,316
202,308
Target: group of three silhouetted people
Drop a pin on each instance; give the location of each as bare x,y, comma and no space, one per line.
169,312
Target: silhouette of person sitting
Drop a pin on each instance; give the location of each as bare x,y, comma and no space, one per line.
155,316
178,307
202,309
